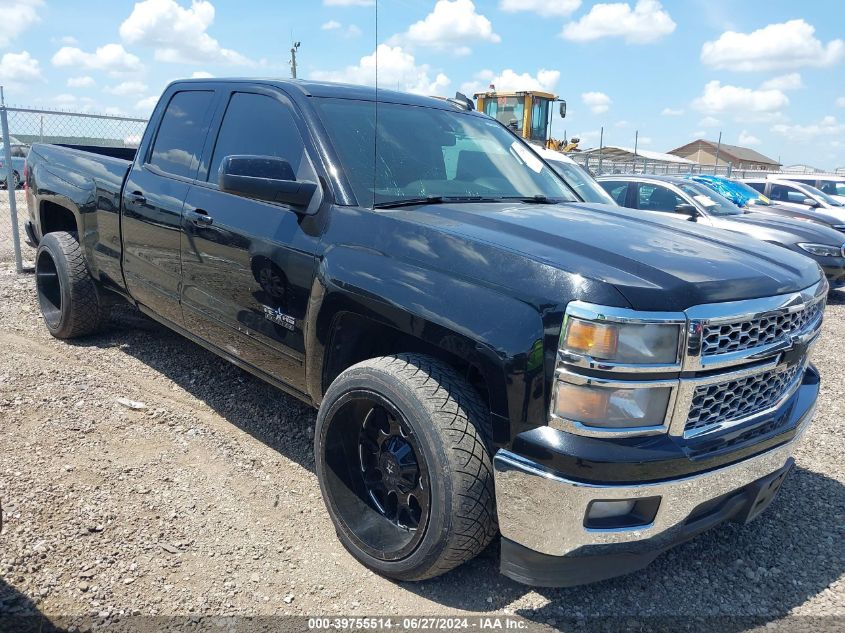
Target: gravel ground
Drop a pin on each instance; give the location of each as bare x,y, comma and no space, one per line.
204,502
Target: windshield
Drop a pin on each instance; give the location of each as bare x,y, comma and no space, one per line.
427,153
583,184
709,200
821,195
832,187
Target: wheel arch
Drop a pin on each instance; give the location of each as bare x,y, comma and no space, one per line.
364,306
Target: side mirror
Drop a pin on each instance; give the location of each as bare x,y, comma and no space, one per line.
811,203
264,178
562,109
688,210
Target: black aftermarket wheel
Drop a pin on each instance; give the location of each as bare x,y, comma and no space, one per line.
402,456
69,299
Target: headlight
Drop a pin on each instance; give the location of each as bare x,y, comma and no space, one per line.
822,250
626,343
611,407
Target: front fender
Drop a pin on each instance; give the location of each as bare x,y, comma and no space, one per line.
502,336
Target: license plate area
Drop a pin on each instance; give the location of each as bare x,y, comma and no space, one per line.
762,492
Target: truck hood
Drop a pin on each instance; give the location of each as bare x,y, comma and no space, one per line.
783,230
655,262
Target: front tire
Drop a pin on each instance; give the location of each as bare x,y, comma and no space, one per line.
67,295
403,459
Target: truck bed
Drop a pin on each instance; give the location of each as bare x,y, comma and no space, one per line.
86,182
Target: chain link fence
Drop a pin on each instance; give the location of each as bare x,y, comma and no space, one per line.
24,127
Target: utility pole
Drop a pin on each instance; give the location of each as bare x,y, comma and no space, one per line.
636,142
293,50
601,147
718,148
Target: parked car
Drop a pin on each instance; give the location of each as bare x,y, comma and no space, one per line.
19,152
485,355
797,195
834,186
696,202
746,197
578,178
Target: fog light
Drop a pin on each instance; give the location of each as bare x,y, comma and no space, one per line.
621,513
605,509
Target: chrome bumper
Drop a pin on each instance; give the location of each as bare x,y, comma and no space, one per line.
545,512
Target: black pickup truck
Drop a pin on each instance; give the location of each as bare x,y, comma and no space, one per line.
488,353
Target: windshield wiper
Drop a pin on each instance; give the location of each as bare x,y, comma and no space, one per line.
409,202
536,199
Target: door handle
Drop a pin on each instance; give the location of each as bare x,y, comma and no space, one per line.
137,197
200,217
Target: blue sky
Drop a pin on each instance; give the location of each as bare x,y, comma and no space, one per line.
768,74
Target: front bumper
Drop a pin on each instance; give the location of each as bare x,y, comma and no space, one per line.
542,512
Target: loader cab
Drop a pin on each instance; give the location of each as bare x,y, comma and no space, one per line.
526,113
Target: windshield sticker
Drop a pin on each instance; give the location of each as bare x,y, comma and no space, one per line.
707,201
528,157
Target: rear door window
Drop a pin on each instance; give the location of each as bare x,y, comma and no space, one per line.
757,186
182,133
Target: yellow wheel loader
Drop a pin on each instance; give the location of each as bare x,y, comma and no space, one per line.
526,113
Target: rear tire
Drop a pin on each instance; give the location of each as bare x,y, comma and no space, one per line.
69,299
402,451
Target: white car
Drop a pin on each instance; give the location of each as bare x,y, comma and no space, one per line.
834,186
797,195
578,178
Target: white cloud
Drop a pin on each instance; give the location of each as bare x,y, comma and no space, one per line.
792,81
709,121
333,25
178,34
68,40
509,80
19,68
828,127
397,70
546,8
747,139
81,82
449,27
18,15
147,104
79,104
598,102
777,46
201,74
111,58
349,3
620,124
721,98
672,111
127,88
644,140
840,102
698,134
647,22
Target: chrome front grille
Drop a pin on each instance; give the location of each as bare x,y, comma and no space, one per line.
743,335
737,399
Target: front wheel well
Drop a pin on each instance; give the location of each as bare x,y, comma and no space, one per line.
355,338
55,218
